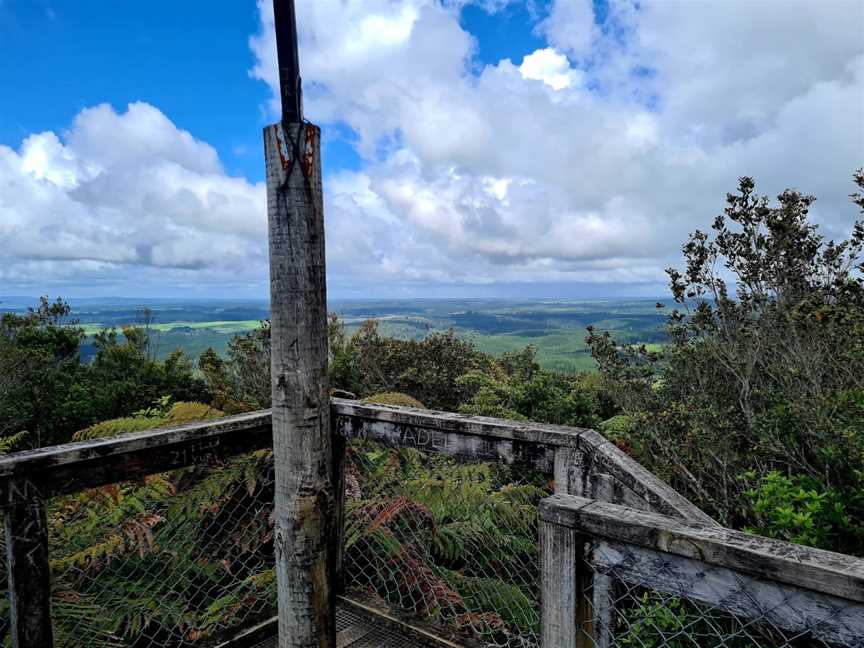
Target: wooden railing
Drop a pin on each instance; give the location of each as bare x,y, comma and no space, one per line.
607,569
583,463
28,479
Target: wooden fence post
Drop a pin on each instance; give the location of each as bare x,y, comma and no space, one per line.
569,471
559,582
564,552
602,588
26,528
305,500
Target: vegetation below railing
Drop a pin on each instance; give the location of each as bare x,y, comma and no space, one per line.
452,543
177,558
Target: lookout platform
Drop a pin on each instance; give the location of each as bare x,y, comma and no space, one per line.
354,629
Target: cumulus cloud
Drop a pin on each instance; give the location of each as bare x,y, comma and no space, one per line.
590,159
127,197
550,67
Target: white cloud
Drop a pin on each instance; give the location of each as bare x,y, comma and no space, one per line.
550,67
588,162
121,195
638,129
570,26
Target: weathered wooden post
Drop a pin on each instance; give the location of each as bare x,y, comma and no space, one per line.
305,501
578,608
29,574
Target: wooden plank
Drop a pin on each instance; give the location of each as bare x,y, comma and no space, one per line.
753,600
630,475
357,413
464,446
29,575
560,585
77,466
814,569
305,501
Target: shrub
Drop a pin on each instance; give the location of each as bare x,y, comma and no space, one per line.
394,398
763,371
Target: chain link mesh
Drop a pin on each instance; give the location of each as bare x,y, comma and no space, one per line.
174,559
185,558
646,599
452,543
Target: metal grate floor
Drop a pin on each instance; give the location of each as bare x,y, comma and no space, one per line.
355,630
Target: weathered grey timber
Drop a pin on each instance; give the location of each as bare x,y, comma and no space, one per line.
815,569
305,497
26,528
482,438
73,467
771,604
559,577
781,584
602,603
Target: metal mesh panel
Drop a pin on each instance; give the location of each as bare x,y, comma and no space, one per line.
647,599
452,543
175,559
4,587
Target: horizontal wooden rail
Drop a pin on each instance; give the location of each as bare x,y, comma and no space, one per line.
814,569
587,546
575,455
73,467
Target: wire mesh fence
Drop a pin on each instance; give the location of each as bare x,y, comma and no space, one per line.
452,543
647,599
174,559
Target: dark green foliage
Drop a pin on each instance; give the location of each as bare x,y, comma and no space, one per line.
764,370
427,370
394,398
47,392
39,368
442,371
515,387
240,382
123,378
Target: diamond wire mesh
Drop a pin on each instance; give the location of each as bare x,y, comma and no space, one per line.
652,600
452,543
174,559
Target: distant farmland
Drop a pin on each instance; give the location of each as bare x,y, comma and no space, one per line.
556,328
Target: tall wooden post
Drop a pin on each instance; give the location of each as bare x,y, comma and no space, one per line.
305,502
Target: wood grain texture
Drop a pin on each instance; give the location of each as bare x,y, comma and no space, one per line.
804,567
29,575
602,587
560,586
305,501
771,605
73,467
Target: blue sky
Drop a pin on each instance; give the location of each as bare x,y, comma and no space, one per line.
190,58
472,147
